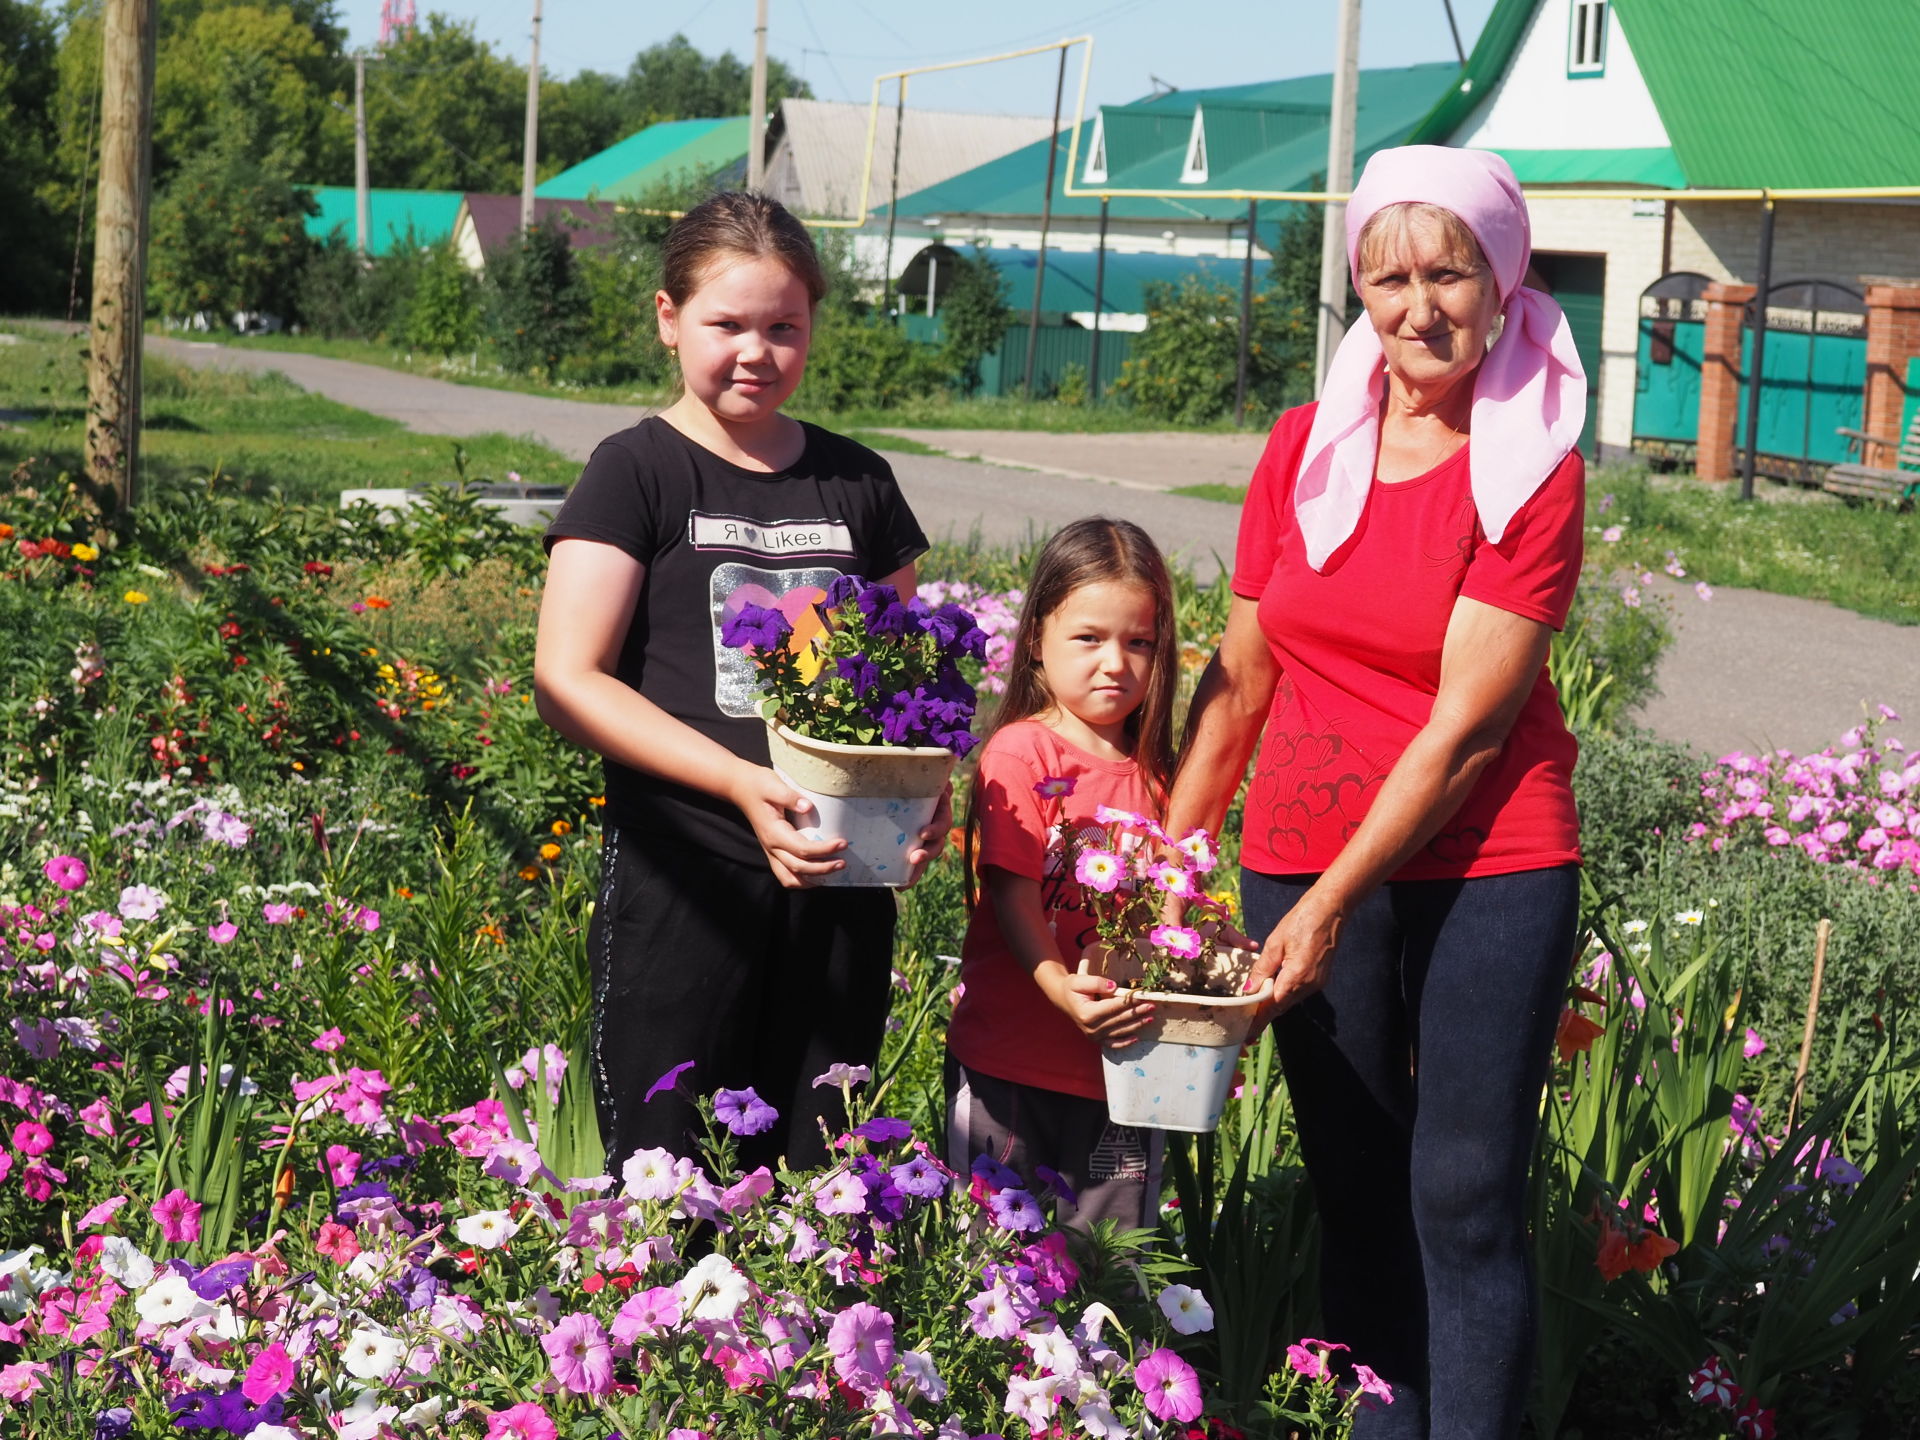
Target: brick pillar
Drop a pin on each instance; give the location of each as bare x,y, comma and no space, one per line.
1720,377
1893,337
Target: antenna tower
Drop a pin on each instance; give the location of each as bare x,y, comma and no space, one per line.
396,16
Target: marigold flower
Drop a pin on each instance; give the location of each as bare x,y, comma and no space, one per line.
135,597
84,551
529,872
562,827
549,851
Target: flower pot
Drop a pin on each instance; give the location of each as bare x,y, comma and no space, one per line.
1176,1074
875,797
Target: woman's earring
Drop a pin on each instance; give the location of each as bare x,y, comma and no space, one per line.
674,351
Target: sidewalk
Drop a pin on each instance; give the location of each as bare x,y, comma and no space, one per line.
1140,460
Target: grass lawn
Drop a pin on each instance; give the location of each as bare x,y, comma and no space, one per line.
1788,540
260,431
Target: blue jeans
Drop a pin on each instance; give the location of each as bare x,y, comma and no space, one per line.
1416,1078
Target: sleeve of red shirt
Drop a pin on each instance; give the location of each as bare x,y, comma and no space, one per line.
1263,513
1013,831
1535,568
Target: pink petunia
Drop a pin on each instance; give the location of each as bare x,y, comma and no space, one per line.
1099,870
1169,1386
343,1165
102,1213
579,1355
1309,1357
32,1138
1176,940
329,1040
861,1343
1173,879
1754,1044
1054,787
277,914
69,872
179,1218
337,1242
647,1314
20,1380
525,1421
270,1374
1372,1384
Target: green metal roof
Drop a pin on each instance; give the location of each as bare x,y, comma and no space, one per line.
1270,136
1655,167
1753,93
1783,93
658,155
428,214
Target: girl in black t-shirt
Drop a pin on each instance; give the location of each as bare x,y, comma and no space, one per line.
709,943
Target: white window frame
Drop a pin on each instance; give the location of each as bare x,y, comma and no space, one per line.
1095,172
1194,172
1587,22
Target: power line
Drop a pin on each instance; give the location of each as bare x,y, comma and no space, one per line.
823,52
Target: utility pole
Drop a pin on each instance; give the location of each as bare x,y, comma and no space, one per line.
532,152
362,194
757,107
1333,238
120,247
1046,219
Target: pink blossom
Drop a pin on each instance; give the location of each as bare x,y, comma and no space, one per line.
38,1036
367,920
1176,940
277,913
270,1374
1372,1384
647,1314
1754,1044
223,933
525,1421
32,1138
1099,870
579,1355
18,1381
343,1165
102,1213
141,902
337,1242
861,1343
66,871
179,1218
1169,1386
1309,1357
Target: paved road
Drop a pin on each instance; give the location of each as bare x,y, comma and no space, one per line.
1748,670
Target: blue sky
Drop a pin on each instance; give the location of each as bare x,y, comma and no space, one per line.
839,45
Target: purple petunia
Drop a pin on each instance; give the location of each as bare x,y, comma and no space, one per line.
883,1129
667,1081
743,1112
756,627
1015,1209
920,1178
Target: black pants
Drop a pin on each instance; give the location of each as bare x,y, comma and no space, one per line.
702,959
1416,1078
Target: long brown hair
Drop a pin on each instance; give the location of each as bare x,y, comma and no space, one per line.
1094,551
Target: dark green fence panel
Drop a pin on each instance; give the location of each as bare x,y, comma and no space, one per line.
1004,371
1814,376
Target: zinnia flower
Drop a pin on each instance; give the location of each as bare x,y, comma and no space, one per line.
1169,1386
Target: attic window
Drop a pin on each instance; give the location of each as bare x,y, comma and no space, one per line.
1587,37
1195,172
1096,171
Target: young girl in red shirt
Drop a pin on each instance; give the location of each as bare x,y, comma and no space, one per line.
1086,722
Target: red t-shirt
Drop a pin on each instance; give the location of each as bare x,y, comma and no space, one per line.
1359,650
1004,1025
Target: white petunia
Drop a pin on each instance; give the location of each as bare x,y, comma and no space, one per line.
1186,1309
372,1354
918,1368
125,1262
170,1301
424,1413
487,1230
712,1290
655,1174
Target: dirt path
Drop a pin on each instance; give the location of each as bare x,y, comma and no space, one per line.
1747,670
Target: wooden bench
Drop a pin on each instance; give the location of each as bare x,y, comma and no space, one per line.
1900,485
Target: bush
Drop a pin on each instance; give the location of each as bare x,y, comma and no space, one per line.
974,314
444,312
229,239
1183,366
343,293
863,361
535,307
620,342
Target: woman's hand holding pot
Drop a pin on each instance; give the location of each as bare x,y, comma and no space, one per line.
1298,955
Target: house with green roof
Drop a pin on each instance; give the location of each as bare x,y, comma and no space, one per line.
1650,96
670,153
395,216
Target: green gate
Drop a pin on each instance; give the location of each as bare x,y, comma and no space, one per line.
1666,387
1813,379
1579,284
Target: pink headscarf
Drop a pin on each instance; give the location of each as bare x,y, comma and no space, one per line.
1529,395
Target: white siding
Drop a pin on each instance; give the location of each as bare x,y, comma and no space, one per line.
1535,106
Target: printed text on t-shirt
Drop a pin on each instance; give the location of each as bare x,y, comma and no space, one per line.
784,537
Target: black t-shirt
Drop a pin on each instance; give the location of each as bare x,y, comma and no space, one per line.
714,537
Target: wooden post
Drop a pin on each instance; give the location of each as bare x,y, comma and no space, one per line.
120,248
530,150
362,192
757,106
893,205
1813,1010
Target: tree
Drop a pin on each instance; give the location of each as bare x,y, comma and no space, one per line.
229,238
30,230
535,305
1182,366
674,81
445,112
974,313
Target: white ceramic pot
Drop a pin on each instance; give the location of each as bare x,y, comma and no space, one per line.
875,797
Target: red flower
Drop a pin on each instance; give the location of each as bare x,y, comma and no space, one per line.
1576,1034
1634,1247
1752,1421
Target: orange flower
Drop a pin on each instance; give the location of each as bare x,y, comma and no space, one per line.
1576,1034
529,872
562,827
491,932
6,532
1628,1247
374,602
549,851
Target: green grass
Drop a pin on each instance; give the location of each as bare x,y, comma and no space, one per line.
257,431
1007,412
1225,494
1788,540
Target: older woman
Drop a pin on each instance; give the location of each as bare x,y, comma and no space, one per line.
1410,845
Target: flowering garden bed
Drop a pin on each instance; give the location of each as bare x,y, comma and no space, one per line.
293,891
